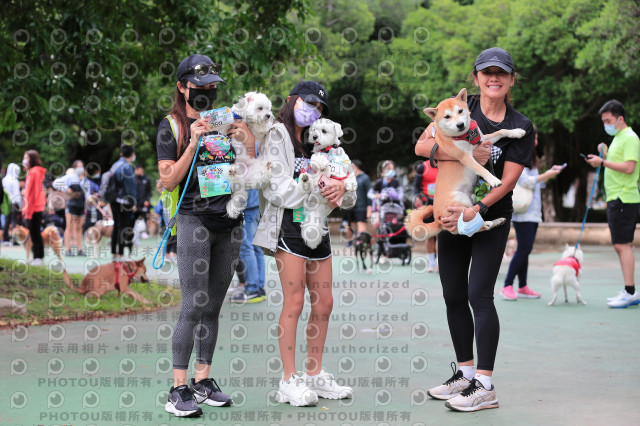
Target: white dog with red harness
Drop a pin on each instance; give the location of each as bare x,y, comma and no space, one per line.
329,161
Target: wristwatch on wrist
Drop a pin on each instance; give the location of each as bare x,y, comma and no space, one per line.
483,208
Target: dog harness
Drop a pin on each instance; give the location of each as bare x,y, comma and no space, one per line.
569,261
472,136
125,268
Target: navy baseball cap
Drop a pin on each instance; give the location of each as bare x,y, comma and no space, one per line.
186,70
494,57
310,91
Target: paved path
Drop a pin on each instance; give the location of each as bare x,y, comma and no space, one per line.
388,338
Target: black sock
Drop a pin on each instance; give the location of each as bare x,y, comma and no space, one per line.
631,289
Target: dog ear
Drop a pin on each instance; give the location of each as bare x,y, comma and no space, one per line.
338,130
140,262
431,112
462,96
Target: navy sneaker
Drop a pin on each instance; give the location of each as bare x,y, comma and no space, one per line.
208,392
181,402
247,297
263,294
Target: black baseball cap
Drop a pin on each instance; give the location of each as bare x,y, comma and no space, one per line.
310,91
186,71
494,57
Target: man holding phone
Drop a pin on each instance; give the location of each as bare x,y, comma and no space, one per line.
621,174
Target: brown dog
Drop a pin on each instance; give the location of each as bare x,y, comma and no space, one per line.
110,276
94,234
455,133
50,237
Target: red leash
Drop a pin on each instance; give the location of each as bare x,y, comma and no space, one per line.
389,235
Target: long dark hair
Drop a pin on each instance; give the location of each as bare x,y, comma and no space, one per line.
534,157
34,158
179,114
285,116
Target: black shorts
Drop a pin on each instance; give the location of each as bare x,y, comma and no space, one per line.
354,215
75,210
622,220
297,247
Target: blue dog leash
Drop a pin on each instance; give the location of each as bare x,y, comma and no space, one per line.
593,189
172,222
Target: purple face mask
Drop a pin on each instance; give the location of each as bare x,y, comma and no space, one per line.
306,114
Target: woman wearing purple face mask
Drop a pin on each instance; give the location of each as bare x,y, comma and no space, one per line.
300,267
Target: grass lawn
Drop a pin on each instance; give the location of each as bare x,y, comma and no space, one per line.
49,300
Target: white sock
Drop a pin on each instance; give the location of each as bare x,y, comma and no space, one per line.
432,258
485,380
468,371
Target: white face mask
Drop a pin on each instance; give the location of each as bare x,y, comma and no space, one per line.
25,163
134,158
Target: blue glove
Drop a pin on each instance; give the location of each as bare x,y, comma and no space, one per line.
471,227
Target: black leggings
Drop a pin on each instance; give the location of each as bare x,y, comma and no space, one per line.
463,285
122,235
206,263
36,237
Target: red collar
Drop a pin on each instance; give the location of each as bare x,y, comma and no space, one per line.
129,272
473,134
569,261
340,178
328,148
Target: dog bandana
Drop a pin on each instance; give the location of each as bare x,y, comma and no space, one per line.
569,261
473,134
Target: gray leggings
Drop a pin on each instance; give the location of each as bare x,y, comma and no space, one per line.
206,263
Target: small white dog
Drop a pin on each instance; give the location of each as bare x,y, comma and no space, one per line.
565,272
248,173
328,161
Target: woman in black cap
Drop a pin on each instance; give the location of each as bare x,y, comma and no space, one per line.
208,240
469,265
299,266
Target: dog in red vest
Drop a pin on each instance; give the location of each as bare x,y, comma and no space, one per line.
565,273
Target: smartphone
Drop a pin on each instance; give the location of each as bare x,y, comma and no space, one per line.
583,156
563,166
324,181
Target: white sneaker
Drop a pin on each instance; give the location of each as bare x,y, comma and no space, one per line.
325,385
452,387
295,392
625,300
431,268
475,397
616,297
36,262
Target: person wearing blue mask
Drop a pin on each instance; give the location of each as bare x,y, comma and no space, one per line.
388,184
621,174
300,267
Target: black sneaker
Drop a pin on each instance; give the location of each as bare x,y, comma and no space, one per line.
181,402
208,392
263,294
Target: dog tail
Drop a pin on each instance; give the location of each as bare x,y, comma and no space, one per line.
67,281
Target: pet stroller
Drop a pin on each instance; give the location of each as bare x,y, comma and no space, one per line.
391,240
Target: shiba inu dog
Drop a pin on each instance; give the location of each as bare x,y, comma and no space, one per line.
456,134
565,273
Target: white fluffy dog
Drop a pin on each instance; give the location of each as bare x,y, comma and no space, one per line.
565,272
328,161
248,173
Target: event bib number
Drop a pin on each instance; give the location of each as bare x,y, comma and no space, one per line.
213,180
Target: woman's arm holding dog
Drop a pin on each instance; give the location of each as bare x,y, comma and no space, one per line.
172,172
510,175
425,144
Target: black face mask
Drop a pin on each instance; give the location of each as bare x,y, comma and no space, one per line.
202,99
